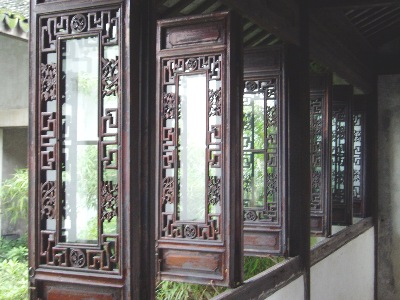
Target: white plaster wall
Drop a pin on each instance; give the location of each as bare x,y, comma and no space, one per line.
389,187
14,66
292,291
346,274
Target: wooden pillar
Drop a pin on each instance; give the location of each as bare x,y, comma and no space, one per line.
298,145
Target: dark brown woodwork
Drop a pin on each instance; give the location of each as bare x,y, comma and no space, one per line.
321,128
298,143
210,249
342,155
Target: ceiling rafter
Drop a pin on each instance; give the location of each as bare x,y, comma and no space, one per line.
349,54
352,4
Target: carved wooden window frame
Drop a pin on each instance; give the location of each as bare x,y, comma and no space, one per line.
54,252
320,159
359,134
264,227
342,155
200,252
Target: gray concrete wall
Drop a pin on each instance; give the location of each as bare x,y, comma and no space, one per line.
14,75
14,66
389,187
15,156
15,150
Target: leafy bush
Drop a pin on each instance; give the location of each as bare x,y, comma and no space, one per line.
14,196
13,269
14,280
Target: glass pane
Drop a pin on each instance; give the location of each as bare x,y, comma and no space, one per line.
253,179
192,147
253,121
80,72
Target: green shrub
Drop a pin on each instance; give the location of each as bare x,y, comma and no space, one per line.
14,280
14,196
13,268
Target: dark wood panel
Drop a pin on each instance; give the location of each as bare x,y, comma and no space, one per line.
192,263
198,34
57,294
262,242
262,60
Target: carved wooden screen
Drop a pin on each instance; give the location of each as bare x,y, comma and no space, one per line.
359,140
342,151
320,125
78,179
263,205
199,142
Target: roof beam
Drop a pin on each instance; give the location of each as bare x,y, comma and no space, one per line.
352,4
333,40
335,43
275,16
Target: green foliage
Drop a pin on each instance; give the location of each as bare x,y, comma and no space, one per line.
14,280
14,196
13,269
168,290
255,265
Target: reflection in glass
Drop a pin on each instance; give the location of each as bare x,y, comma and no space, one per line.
79,86
192,147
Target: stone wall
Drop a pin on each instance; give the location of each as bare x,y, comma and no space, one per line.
389,187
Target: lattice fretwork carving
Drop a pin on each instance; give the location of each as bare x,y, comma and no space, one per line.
106,258
316,137
215,102
109,201
48,81
109,77
49,196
